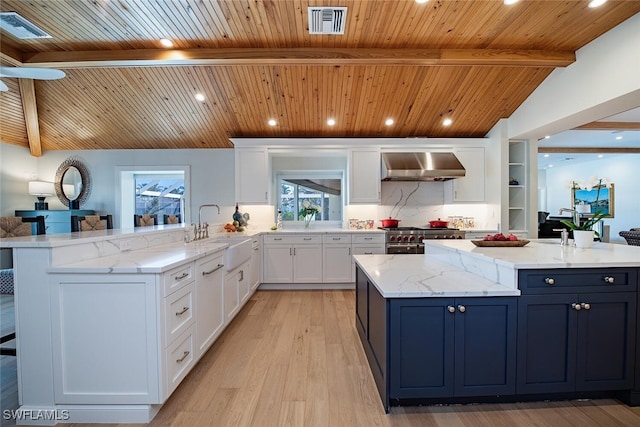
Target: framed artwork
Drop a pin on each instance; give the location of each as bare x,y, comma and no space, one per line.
602,193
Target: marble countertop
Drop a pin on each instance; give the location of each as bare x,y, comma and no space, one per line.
539,254
157,259
418,276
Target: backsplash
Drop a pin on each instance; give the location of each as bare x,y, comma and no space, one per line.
414,203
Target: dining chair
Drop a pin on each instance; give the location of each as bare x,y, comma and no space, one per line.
91,222
145,220
172,219
13,226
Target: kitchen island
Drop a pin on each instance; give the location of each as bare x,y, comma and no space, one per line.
469,324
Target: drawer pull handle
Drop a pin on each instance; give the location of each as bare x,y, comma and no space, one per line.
307,238
368,253
549,281
206,273
184,356
368,238
255,249
184,310
182,276
336,238
608,279
462,308
585,305
451,309
576,306
277,238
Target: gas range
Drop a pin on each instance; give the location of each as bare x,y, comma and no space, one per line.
409,239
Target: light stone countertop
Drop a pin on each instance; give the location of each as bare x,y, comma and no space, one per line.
418,276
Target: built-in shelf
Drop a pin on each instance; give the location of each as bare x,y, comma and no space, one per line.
518,192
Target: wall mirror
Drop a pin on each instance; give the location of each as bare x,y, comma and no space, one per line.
72,183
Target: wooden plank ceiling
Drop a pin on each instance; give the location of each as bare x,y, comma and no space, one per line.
472,61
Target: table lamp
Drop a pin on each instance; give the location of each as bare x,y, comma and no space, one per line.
41,190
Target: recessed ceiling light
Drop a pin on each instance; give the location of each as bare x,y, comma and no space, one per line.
447,122
596,3
331,122
166,42
389,122
508,2
421,1
199,97
272,122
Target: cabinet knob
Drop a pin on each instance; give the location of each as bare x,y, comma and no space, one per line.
608,279
462,308
585,305
549,281
576,306
451,309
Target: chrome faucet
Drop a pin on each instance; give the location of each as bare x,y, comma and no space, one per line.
204,206
576,215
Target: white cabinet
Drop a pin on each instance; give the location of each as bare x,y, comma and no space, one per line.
209,301
256,263
469,188
364,175
252,175
336,258
366,244
292,259
106,339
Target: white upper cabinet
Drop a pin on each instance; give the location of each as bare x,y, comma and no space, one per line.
364,175
252,176
470,188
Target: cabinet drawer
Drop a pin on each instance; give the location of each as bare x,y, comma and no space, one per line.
177,278
368,250
178,312
582,280
368,238
336,238
179,359
292,240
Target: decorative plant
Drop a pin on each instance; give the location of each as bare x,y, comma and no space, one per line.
598,214
308,211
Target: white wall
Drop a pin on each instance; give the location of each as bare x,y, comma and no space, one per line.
604,80
621,170
212,177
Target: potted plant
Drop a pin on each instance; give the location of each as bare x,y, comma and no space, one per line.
583,232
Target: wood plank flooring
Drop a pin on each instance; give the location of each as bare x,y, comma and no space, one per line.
293,358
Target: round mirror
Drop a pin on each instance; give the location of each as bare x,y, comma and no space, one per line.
72,183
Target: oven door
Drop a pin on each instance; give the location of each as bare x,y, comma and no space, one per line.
403,248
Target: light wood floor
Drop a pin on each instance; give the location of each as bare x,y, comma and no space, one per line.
294,359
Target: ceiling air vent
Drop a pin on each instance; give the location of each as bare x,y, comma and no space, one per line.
20,27
327,20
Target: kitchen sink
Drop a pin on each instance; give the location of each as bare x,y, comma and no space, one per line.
238,252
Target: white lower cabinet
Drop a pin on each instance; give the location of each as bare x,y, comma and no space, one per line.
292,259
209,301
256,263
336,258
366,244
237,290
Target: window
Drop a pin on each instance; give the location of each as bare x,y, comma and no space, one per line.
152,190
322,189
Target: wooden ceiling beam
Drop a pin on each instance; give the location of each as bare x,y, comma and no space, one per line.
589,150
29,106
9,57
301,56
610,126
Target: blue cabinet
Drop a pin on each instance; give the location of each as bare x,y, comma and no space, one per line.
572,341
445,347
56,221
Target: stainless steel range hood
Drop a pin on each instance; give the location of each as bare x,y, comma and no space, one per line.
421,167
